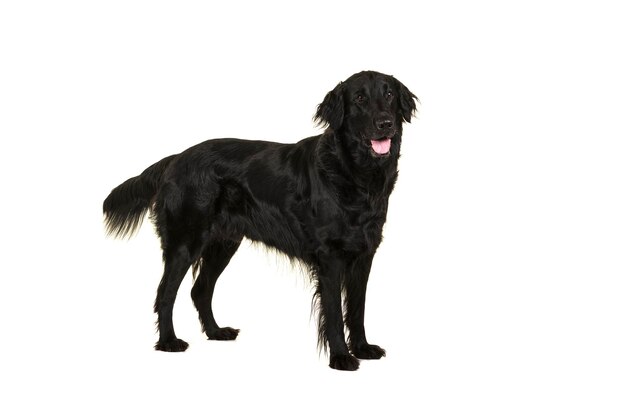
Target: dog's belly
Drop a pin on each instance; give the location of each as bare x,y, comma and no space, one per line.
274,230
312,241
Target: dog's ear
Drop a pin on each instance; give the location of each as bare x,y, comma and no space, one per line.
330,111
407,101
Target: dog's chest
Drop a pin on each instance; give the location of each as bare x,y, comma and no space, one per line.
354,226
365,229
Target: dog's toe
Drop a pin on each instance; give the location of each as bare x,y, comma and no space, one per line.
172,345
369,352
344,362
223,333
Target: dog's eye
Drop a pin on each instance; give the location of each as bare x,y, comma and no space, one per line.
359,98
389,95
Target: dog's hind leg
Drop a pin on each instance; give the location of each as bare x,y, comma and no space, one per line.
177,263
184,231
215,257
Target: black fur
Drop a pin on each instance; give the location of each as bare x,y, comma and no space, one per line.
321,201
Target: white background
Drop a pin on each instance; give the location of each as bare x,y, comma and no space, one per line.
499,289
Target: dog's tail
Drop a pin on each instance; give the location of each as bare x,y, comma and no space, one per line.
127,204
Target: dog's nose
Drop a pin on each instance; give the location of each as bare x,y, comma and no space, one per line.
384,124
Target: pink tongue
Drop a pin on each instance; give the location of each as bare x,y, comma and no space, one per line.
381,147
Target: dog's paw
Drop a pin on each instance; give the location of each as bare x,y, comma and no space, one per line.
368,352
173,345
223,333
344,362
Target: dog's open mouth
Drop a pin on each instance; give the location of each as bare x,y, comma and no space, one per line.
381,146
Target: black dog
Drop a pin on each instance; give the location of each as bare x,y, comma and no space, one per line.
321,201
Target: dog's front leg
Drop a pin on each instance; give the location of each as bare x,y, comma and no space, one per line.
331,325
356,278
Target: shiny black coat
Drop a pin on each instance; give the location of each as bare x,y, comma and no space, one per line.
321,201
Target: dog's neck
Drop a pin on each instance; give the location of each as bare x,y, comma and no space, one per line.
357,168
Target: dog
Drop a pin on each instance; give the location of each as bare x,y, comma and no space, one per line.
321,201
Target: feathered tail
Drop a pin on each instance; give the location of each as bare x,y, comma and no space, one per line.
127,204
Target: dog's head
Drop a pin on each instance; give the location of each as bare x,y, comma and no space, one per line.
367,110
